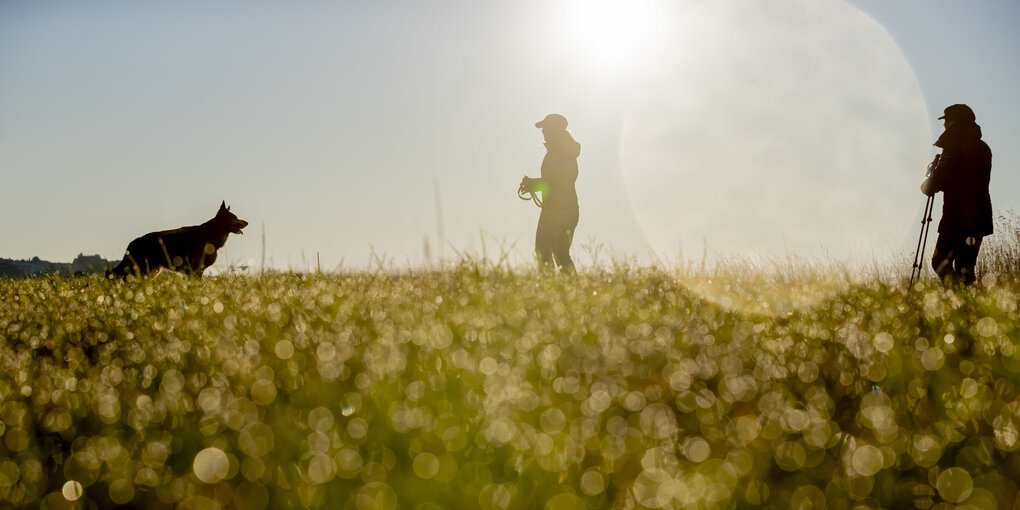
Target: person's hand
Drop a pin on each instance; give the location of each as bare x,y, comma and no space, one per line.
926,188
529,185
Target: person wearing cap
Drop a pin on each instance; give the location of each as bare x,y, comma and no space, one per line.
962,174
560,209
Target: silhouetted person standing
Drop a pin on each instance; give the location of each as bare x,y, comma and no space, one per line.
962,175
559,198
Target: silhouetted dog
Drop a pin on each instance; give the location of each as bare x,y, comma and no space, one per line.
187,249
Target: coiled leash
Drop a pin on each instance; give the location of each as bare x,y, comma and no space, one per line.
524,193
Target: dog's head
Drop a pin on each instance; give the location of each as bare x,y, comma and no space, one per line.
228,220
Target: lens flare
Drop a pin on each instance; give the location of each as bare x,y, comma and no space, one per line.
771,132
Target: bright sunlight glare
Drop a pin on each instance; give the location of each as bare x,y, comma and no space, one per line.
777,129
609,32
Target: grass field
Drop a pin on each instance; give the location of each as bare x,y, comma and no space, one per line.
497,388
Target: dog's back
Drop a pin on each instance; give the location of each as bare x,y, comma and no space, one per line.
161,249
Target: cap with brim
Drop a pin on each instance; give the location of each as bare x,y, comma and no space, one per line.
553,120
958,112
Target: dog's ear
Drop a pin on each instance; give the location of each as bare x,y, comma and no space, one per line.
223,206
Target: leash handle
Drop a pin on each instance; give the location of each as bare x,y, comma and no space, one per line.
524,194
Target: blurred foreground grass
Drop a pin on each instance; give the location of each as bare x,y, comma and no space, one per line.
497,389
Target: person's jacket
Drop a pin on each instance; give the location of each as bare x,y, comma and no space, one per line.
962,175
559,173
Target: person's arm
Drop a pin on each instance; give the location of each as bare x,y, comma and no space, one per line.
945,172
927,187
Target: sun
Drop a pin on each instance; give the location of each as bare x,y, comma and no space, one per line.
609,33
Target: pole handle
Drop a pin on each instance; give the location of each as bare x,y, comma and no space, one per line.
933,165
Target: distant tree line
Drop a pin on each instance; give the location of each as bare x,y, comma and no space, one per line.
82,264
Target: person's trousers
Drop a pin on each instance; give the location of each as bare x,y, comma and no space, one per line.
553,238
955,257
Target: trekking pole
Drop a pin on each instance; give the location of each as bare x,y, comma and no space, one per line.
922,240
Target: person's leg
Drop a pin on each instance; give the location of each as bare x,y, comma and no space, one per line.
943,256
966,259
544,240
566,223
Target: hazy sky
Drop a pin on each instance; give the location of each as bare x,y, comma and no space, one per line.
747,126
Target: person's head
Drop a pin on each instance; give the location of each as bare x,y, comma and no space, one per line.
552,125
957,114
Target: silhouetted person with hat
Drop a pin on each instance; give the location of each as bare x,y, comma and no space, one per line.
962,175
559,198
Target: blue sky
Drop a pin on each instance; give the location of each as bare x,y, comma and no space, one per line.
702,123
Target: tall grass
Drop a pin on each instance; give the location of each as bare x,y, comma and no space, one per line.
486,386
1000,252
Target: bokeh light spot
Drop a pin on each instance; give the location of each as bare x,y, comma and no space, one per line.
425,465
211,465
954,485
72,490
564,501
121,491
696,449
592,482
867,460
376,496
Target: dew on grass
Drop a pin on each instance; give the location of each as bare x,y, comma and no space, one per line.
954,485
866,460
883,342
320,468
121,491
565,501
696,449
263,392
630,375
211,465
593,482
425,465
72,490
284,349
10,472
